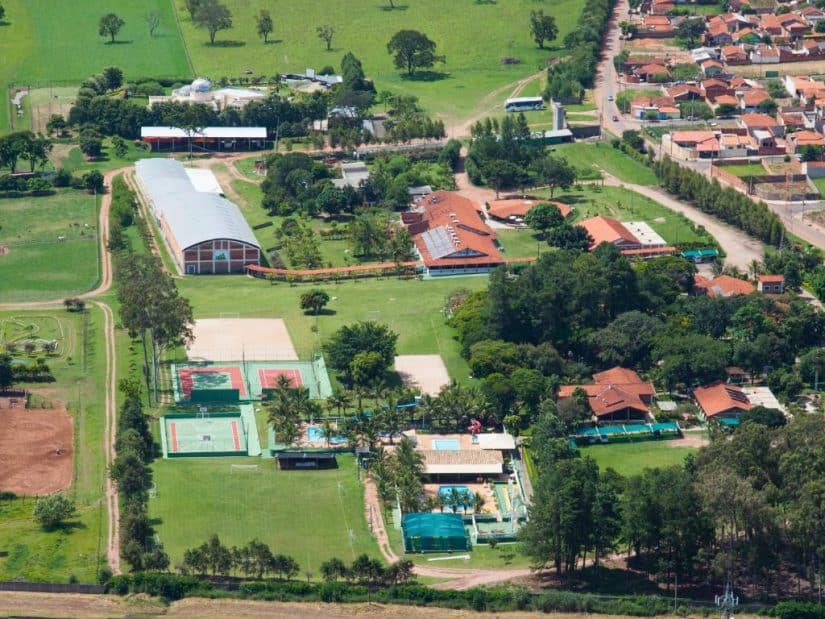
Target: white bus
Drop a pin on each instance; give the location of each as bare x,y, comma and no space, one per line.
523,104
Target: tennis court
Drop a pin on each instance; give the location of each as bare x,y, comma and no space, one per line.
205,434
244,381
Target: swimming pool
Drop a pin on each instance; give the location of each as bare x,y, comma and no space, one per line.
446,444
446,491
316,435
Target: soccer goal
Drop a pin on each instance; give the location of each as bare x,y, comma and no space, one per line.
243,468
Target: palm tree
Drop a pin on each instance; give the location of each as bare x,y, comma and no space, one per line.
478,502
454,499
339,400
440,502
326,429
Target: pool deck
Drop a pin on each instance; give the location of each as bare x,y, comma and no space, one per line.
428,441
490,506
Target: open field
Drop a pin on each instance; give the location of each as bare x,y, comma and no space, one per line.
56,43
632,458
310,515
26,551
35,265
519,243
602,156
745,170
820,185
412,308
474,37
626,205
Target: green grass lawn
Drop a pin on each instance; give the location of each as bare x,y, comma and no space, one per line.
26,551
632,458
820,185
474,37
310,515
46,42
521,243
37,266
626,205
602,156
744,170
411,308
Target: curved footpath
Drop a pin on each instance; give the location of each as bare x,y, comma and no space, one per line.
110,405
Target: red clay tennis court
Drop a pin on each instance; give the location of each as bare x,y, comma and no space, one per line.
211,378
269,377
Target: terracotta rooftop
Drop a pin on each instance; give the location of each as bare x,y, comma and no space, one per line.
755,97
692,136
727,100
758,120
606,230
502,209
771,279
807,138
722,286
614,390
451,232
720,397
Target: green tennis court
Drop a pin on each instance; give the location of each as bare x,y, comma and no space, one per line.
205,434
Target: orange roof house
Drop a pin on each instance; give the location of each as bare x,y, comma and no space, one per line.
804,138
722,286
617,394
450,235
770,284
721,400
506,210
606,230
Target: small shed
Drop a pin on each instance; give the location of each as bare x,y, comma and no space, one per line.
431,532
295,460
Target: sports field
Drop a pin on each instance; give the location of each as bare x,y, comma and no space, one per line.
310,515
632,458
34,263
45,42
412,308
474,37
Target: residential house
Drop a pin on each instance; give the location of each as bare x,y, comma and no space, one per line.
792,121
450,236
656,26
734,54
763,122
652,73
684,92
712,68
700,54
794,26
765,54
663,107
721,286
770,24
750,100
804,138
713,88
661,7
718,33
812,15
618,394
747,37
721,400
633,238
770,284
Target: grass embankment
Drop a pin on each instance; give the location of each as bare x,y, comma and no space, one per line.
56,43
36,264
589,159
474,37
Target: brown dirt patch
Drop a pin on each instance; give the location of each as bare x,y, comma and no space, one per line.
231,339
29,440
426,372
690,439
4,250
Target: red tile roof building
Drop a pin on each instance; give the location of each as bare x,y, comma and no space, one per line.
618,394
721,400
504,210
722,286
450,235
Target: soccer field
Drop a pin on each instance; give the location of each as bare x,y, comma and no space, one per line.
309,515
632,458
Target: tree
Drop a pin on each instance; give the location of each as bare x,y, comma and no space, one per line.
109,25
367,368
770,417
192,7
6,372
315,300
93,181
212,16
554,172
333,569
112,78
56,124
412,50
325,32
263,25
543,27
567,236
119,146
690,32
543,217
152,19
50,511
2,13
500,174
350,340
90,144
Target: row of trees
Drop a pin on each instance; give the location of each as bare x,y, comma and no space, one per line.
255,559
130,471
24,145
567,79
729,205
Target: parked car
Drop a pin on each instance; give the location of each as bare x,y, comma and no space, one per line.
615,118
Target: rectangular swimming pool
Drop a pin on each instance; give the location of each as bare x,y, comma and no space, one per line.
316,435
446,444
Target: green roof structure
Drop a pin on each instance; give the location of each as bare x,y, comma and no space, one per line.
432,532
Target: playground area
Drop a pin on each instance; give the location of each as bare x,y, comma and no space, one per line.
230,339
243,381
36,448
207,434
425,372
31,334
